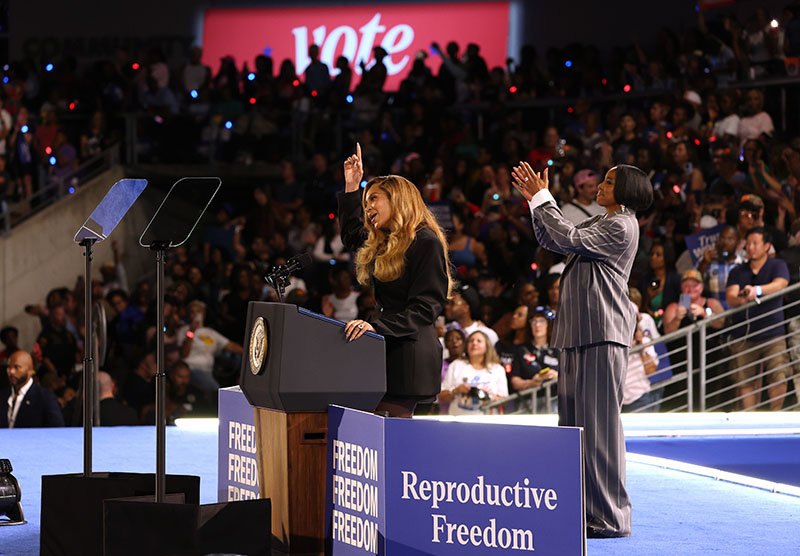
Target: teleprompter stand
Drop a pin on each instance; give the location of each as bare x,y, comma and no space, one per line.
172,524
72,504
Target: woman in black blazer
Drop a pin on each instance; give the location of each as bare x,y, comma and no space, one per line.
402,253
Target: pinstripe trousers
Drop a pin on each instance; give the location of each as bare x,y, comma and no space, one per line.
590,380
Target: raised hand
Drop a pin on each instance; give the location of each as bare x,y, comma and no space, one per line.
528,182
353,171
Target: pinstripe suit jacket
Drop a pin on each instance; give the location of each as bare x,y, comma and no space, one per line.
593,303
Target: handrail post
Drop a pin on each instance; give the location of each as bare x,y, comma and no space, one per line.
703,349
689,385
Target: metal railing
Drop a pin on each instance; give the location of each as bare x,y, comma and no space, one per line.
53,188
707,382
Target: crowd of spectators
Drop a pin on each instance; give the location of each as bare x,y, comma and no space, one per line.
710,147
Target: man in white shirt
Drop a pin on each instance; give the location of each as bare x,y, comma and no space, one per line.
584,205
200,344
757,123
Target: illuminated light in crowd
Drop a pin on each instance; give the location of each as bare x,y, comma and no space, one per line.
570,109
52,161
228,124
159,120
48,67
604,81
165,329
71,190
550,162
363,183
333,262
697,7
712,138
24,129
660,312
6,67
385,136
669,135
534,266
706,70
741,158
774,23
496,197
193,93
252,100
296,82
72,105
48,149
349,99
568,63
251,76
697,142
313,93
512,89
331,216
5,79
135,66
627,88
676,188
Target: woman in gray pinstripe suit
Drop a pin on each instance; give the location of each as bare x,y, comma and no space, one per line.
594,327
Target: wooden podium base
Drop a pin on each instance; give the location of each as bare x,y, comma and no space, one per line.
292,449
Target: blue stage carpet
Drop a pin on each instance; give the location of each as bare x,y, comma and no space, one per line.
772,458
674,513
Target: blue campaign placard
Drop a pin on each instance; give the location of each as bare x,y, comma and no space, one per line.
355,521
698,242
452,487
474,488
237,469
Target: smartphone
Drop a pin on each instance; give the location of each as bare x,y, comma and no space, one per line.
686,301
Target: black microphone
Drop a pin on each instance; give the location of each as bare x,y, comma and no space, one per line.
278,278
303,260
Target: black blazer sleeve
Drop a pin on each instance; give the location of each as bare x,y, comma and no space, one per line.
351,220
427,293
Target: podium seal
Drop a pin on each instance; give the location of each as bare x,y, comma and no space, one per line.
258,345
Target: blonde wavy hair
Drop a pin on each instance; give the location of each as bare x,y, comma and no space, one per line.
383,254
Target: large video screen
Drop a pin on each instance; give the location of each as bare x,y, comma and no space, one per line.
353,31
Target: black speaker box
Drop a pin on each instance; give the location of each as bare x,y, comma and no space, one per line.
72,506
136,526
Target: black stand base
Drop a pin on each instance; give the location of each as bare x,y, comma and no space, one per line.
14,516
72,506
136,526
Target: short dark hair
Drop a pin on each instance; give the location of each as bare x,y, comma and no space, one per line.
765,235
6,331
472,299
632,188
117,293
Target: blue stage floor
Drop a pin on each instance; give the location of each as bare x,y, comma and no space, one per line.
675,513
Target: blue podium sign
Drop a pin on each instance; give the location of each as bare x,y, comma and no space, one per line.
237,467
422,487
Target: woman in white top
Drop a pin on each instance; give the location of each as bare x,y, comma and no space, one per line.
475,380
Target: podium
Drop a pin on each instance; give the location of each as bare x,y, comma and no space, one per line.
297,363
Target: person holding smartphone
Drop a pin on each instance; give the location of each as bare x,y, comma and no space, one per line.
692,305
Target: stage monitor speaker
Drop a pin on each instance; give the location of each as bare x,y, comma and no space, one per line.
136,526
72,506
